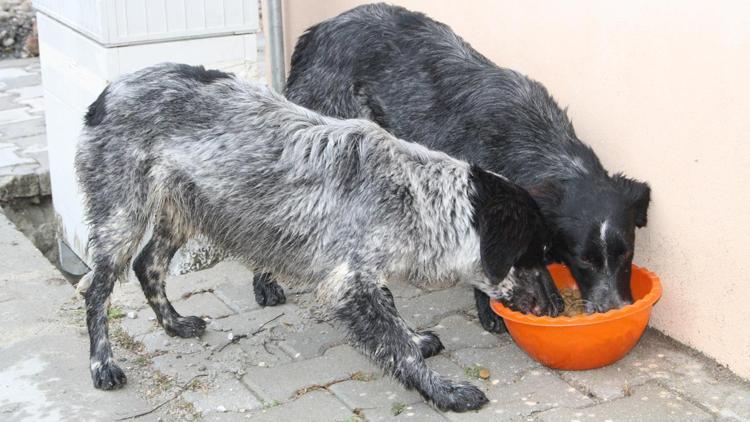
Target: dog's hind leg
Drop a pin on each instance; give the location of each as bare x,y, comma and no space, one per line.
428,342
487,317
105,374
374,326
151,268
267,290
113,240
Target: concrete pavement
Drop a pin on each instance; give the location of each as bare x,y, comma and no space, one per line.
43,369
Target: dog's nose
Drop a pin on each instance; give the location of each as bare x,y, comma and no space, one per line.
617,303
606,305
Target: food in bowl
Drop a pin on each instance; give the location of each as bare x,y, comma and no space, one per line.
573,301
585,341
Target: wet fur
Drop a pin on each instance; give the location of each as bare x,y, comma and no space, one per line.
419,80
340,204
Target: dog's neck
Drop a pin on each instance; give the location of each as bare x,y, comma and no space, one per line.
440,189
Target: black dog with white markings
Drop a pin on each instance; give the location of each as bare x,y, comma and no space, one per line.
417,79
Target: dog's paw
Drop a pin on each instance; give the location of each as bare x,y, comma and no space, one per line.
186,327
490,320
487,317
429,343
107,376
269,294
460,397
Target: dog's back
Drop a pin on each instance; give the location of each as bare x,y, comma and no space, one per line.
346,67
228,158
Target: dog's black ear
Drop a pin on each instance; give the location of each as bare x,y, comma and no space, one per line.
638,196
505,233
507,220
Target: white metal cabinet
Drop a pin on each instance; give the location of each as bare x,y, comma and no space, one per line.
124,22
85,44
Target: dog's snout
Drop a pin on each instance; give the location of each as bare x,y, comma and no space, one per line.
535,303
615,302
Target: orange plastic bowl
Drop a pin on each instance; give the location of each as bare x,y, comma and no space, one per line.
585,341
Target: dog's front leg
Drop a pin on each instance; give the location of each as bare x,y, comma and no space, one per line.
373,325
487,317
267,290
428,342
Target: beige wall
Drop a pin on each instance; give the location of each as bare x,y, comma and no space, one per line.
661,90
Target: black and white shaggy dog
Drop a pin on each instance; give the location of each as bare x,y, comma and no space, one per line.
339,203
420,81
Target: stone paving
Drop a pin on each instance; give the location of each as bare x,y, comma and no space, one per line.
24,166
288,363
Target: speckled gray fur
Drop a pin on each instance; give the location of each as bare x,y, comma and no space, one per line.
340,204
